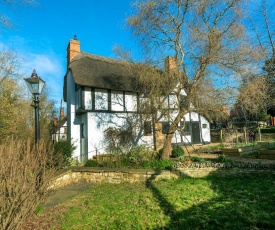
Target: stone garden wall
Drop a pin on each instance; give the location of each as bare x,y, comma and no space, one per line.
106,175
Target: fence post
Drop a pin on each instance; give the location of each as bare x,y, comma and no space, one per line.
259,132
221,136
245,136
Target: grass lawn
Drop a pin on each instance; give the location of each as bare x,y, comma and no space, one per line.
233,202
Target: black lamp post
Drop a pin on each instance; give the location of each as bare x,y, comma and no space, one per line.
35,85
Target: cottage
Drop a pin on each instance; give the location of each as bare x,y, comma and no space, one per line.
59,127
102,98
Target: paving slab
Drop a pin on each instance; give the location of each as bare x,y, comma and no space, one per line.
60,195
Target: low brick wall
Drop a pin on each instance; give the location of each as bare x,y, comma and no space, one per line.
101,175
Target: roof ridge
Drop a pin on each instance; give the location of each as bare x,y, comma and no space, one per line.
102,58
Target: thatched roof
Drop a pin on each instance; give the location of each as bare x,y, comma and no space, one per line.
100,72
96,71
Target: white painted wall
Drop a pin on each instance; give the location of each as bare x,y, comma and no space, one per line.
205,130
60,134
99,122
72,122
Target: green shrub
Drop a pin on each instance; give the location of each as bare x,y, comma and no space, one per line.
64,149
254,154
198,159
158,164
268,130
138,154
270,146
92,163
177,152
223,159
159,154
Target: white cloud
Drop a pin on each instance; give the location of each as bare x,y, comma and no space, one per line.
49,68
47,64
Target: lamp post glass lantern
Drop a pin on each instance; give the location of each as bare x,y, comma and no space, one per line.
35,85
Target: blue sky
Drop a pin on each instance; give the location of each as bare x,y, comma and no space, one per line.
41,34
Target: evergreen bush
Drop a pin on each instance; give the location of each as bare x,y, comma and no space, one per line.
64,149
177,152
92,163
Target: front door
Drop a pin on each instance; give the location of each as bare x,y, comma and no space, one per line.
195,132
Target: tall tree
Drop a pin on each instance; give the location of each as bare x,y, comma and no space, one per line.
10,94
206,39
251,102
16,114
262,24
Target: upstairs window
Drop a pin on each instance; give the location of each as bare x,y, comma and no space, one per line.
94,99
173,101
87,98
117,100
78,97
101,99
163,102
130,102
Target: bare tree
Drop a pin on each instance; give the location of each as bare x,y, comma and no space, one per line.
8,7
252,100
206,40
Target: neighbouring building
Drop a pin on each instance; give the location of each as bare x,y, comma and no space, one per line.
59,127
101,97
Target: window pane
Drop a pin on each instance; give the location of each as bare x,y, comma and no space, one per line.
117,101
173,101
144,104
130,102
165,127
163,102
78,98
101,99
147,128
88,98
186,130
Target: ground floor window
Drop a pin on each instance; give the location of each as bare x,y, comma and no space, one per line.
147,127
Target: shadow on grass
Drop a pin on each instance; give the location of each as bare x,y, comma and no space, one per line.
244,201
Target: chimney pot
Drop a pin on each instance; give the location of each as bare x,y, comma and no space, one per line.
62,114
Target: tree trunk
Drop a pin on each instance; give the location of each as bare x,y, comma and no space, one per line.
167,147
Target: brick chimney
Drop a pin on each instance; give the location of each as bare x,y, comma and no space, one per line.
72,49
170,63
55,122
62,114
